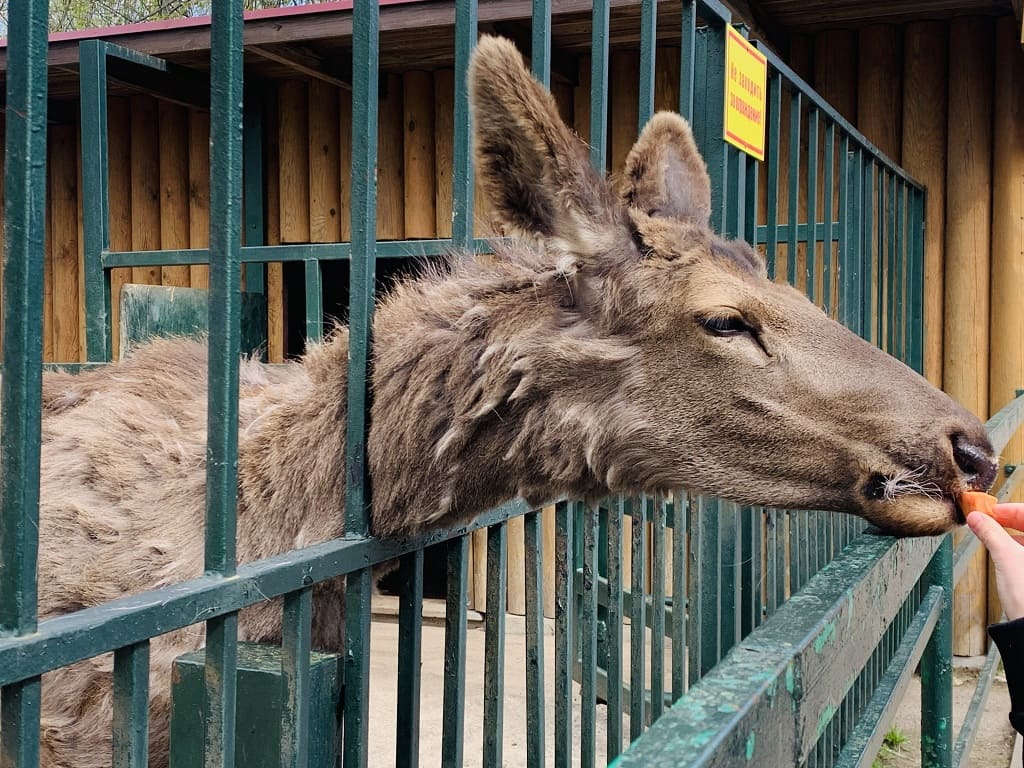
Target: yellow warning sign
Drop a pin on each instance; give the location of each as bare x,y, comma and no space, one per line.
746,82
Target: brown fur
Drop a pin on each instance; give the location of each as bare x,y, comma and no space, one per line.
578,361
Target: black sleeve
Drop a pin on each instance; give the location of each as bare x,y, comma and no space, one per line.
1009,637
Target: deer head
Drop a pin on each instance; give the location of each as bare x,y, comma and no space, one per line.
736,386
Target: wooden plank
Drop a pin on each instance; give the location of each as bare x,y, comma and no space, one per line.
1007,317
145,184
390,161
293,143
345,162
581,100
835,70
623,107
666,79
801,59
879,94
275,270
63,226
325,212
174,185
420,213
515,567
478,598
120,187
199,191
924,156
547,521
444,125
968,229
80,216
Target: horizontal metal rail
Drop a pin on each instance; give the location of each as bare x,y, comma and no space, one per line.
789,677
972,719
72,637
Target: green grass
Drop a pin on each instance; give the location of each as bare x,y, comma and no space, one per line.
891,743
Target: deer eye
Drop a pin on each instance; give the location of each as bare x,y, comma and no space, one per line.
724,325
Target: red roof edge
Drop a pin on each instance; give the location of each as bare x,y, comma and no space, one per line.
170,25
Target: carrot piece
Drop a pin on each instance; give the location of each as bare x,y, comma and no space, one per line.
976,501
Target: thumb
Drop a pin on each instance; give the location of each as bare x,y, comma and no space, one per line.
996,540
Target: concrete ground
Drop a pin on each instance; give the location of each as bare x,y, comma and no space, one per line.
992,749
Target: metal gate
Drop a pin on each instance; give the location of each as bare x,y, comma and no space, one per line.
768,658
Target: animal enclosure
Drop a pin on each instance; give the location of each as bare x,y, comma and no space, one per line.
783,635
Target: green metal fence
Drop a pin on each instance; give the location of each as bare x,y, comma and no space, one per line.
787,636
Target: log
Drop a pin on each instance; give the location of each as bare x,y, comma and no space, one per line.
968,231
419,147
923,154
1007,315
390,162
119,186
63,226
325,211
145,184
444,125
199,191
293,144
174,183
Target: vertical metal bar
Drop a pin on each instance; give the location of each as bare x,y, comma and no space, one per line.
710,86
774,150
710,596
937,668
296,632
900,257
314,300
687,58
648,47
452,726
793,185
728,558
599,84
916,353
410,653
889,265
225,330
829,215
564,646
588,638
748,556
92,67
494,644
696,622
252,177
462,140
638,618
131,706
362,275
813,119
541,41
614,619
660,522
680,513
534,640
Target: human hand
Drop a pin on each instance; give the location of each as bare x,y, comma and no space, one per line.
1007,553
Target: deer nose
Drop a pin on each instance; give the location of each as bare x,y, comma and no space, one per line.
976,461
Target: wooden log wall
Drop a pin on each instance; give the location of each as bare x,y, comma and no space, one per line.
959,129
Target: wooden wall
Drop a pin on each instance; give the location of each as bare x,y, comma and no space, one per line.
944,99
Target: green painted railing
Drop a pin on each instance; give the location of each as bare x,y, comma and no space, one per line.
790,634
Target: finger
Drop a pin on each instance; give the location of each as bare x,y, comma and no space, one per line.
997,541
1009,515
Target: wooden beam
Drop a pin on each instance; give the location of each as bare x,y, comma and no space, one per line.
968,251
302,64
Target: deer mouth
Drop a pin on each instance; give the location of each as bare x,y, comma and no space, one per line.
909,502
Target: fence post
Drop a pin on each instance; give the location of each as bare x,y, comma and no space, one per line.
937,668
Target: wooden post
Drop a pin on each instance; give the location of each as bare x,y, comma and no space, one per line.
120,186
275,270
199,191
324,165
293,146
145,184
623,107
174,183
420,215
390,162
835,70
516,567
923,154
1007,316
63,226
547,523
444,122
345,161
968,217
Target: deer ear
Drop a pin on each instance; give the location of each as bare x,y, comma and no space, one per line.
665,174
534,170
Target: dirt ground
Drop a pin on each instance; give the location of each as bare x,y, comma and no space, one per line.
992,748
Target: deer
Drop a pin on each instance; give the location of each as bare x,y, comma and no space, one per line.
612,343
